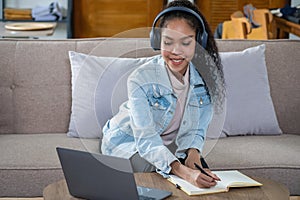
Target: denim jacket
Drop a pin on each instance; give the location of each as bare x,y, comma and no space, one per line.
147,113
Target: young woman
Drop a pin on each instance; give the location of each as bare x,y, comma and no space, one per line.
171,99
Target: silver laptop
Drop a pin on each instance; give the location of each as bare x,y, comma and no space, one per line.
97,176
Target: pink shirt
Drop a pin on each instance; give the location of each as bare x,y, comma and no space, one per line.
180,85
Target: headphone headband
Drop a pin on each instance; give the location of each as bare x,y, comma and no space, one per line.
154,35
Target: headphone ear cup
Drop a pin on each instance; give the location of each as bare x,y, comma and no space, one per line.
155,39
204,38
198,38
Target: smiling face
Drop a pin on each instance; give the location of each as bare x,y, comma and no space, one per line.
178,44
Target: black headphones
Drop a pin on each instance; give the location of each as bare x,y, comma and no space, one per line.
155,34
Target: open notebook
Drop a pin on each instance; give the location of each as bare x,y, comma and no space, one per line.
229,179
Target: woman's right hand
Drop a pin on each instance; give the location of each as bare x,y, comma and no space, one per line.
200,180
193,176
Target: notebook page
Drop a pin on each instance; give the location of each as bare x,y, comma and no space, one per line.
234,178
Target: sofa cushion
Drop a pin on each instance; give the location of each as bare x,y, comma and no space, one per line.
274,157
29,162
30,71
249,107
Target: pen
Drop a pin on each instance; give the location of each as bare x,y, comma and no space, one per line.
203,171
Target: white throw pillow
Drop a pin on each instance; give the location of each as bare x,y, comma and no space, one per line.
98,88
249,109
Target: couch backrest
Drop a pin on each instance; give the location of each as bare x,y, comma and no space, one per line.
35,79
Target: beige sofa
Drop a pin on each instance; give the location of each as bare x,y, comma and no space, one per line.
35,107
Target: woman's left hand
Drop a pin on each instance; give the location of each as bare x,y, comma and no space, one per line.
193,156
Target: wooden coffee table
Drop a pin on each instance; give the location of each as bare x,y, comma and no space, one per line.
270,190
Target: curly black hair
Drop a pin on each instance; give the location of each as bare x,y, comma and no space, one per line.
207,61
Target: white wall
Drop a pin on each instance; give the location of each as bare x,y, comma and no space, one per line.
295,3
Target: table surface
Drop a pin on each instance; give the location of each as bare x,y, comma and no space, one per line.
59,32
283,26
270,190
